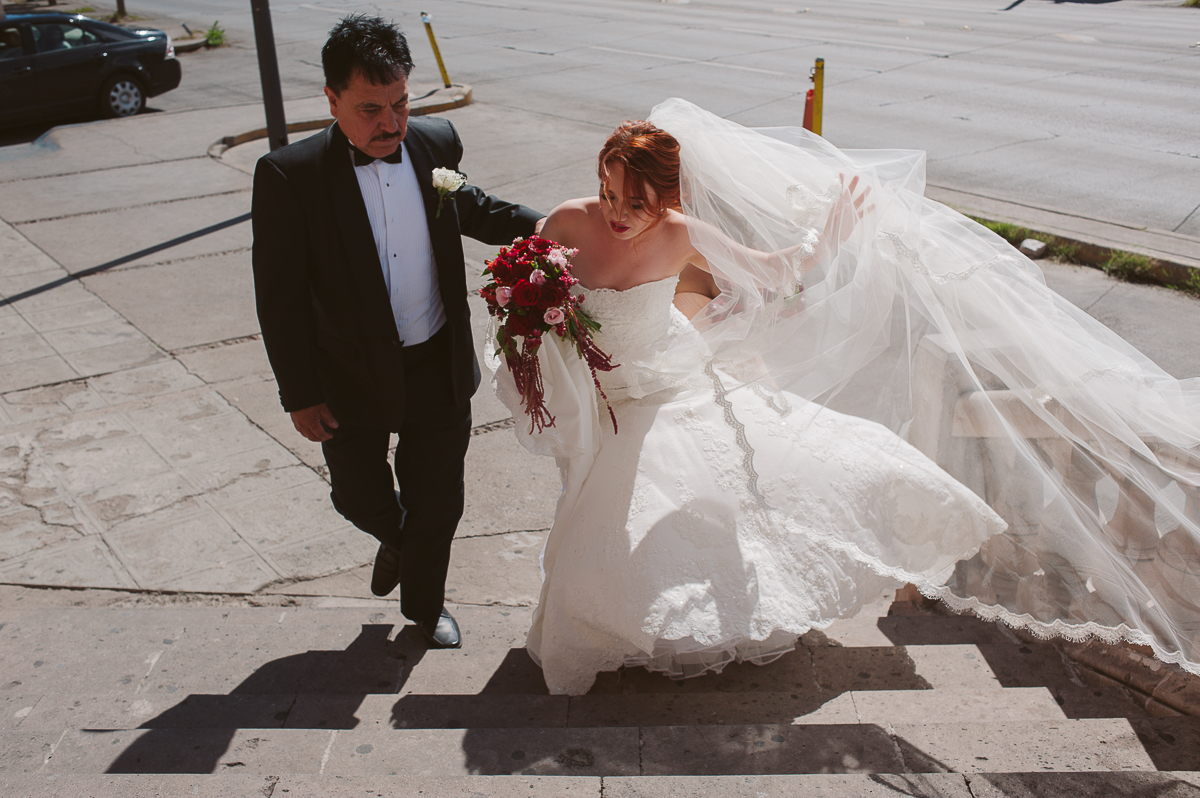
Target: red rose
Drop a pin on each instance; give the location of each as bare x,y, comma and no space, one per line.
501,272
554,295
521,268
526,294
519,324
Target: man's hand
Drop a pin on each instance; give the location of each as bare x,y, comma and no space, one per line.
314,422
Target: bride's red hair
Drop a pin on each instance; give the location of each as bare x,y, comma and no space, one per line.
650,157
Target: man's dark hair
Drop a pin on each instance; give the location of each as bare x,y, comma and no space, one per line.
368,45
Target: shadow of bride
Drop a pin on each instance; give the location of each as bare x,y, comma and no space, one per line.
194,735
762,719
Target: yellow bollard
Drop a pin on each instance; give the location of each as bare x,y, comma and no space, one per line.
436,52
818,79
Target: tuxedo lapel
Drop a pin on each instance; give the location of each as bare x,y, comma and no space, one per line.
423,166
350,215
443,230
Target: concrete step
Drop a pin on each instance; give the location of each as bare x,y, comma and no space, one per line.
931,785
57,711
200,667
209,650
340,692
1100,744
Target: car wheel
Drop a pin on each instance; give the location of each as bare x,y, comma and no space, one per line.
122,95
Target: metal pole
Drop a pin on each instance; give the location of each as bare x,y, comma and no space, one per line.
436,52
268,70
818,79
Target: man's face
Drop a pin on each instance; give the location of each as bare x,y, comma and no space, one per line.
374,118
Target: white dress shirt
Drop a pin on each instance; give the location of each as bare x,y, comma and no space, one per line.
397,214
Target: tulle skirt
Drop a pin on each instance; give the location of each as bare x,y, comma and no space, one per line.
716,527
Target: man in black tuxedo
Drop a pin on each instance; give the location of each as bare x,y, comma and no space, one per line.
361,291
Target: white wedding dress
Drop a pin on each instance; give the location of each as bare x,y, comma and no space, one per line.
735,509
715,526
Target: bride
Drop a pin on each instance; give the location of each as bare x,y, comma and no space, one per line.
881,391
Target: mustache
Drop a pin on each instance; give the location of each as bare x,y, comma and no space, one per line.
387,137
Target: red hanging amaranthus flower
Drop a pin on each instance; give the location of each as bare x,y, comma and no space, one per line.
529,292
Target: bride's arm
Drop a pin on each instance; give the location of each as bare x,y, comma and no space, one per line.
695,289
770,269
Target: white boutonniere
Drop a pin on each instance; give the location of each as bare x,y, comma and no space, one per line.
445,181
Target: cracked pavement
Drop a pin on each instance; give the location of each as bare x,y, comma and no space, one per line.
142,446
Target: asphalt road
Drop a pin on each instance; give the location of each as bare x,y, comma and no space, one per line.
1089,107
1085,107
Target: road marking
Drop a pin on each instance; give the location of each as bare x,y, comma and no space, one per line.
677,60
328,749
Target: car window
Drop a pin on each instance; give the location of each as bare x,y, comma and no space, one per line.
10,42
51,36
79,36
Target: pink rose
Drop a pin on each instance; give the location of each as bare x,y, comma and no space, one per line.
503,294
537,277
554,316
558,258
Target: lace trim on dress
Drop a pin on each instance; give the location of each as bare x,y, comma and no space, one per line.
1075,632
811,207
677,660
739,433
773,399
914,258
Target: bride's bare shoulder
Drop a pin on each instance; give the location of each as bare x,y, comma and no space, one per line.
576,207
676,226
571,219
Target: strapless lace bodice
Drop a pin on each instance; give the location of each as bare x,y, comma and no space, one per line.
632,318
641,329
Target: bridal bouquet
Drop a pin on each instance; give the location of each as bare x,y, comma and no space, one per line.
528,291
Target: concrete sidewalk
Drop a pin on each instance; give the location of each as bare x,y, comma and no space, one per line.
143,440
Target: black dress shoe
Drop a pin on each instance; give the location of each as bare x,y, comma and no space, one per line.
386,574
444,633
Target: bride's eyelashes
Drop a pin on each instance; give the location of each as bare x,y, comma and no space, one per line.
635,204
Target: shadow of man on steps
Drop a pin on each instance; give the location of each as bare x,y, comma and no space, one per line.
315,689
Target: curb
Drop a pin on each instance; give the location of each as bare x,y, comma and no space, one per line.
188,45
1134,254
1155,682
434,102
1163,689
1157,271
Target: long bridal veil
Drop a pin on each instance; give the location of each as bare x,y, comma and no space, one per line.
922,320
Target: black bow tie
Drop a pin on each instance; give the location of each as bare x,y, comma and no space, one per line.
362,159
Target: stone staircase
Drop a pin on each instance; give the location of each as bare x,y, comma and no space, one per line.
307,701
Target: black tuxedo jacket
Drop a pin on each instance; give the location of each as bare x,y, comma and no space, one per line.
322,302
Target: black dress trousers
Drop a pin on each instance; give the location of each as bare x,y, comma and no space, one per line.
419,523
